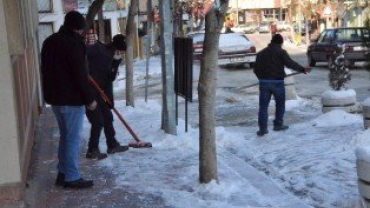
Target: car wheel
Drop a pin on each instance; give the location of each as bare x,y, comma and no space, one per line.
349,64
252,65
330,61
311,61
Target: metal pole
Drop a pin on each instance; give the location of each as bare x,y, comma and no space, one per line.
148,44
237,12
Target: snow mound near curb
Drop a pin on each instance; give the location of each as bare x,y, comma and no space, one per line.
336,118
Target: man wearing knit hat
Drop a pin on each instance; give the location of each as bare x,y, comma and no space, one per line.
269,69
66,89
103,62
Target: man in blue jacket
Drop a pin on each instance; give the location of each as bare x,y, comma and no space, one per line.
269,69
103,61
66,89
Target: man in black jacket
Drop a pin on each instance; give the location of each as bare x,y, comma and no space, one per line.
103,61
269,70
66,89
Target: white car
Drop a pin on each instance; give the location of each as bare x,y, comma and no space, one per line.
282,26
234,49
238,29
264,27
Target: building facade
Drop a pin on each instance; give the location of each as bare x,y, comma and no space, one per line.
257,10
20,93
52,12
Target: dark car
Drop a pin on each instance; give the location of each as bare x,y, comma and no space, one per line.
355,40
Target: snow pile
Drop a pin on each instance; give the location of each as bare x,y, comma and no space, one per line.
336,117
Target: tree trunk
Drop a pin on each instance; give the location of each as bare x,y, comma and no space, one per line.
169,105
93,10
130,41
101,26
207,93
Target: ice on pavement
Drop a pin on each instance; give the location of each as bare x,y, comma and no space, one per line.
314,160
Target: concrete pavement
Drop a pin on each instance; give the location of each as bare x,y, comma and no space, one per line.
42,193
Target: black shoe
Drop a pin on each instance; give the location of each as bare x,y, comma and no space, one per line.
79,184
60,179
95,154
281,128
117,148
262,132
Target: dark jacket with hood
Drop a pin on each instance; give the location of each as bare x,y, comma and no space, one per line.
102,67
63,68
270,63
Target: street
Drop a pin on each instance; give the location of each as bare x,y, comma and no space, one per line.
231,99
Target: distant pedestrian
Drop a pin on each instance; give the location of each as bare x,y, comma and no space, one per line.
273,28
269,69
103,62
66,89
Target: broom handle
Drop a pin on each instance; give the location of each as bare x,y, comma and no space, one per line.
257,83
106,99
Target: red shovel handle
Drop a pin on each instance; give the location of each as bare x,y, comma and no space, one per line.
107,100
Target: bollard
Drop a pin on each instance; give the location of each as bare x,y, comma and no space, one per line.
366,112
363,169
341,99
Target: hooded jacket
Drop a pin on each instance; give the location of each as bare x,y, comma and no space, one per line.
102,67
270,63
63,68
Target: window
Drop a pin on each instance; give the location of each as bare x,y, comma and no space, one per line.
321,37
350,34
328,36
366,34
45,30
45,6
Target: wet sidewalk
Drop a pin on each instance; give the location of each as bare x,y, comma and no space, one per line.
128,183
42,193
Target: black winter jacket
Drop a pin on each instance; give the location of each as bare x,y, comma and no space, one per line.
270,63
102,67
63,68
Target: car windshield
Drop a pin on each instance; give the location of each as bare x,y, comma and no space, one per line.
230,39
226,39
352,34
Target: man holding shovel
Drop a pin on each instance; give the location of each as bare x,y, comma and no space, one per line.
269,69
103,63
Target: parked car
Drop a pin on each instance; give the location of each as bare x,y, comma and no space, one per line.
264,27
330,42
282,26
250,27
234,49
238,29
303,27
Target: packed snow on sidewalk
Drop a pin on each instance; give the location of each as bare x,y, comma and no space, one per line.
314,160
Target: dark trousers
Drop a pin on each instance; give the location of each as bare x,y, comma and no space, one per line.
100,118
267,89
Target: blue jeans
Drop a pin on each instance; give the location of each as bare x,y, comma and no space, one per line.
268,88
70,121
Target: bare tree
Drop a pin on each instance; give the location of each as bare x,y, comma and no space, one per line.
130,41
91,13
207,92
101,26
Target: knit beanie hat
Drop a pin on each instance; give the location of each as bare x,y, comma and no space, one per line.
278,39
119,42
74,20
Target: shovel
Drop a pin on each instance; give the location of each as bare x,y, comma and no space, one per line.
138,143
257,83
